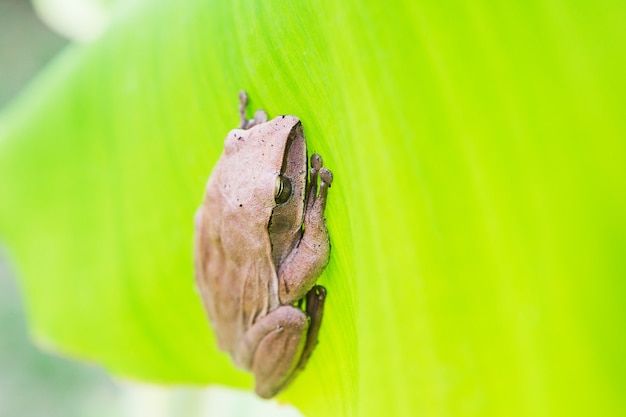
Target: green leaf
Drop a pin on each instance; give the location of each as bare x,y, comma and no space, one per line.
477,217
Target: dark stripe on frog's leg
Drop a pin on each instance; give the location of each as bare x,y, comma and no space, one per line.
315,300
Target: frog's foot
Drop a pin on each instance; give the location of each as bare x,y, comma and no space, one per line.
314,198
260,116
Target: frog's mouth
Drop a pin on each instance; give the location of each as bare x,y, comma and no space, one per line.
294,158
285,225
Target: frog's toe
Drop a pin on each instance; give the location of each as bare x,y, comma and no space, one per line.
260,116
326,176
316,162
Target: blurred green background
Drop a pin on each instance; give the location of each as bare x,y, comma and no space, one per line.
477,217
35,382
26,45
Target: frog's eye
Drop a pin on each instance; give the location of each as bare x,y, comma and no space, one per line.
282,191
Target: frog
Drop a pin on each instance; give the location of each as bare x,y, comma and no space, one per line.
260,244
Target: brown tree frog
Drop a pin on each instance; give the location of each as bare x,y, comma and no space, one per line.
261,242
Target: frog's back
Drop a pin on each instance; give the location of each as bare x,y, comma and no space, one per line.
236,286
234,269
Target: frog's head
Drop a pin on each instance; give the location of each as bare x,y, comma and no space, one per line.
264,174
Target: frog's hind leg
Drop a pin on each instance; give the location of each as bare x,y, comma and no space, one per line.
272,349
243,103
315,299
260,116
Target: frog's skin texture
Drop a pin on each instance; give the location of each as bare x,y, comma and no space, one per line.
261,242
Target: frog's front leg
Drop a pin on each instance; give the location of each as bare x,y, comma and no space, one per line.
272,349
308,259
